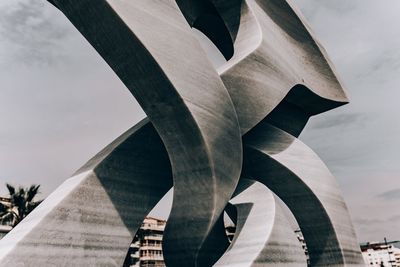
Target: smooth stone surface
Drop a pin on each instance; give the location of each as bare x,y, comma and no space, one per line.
277,74
297,175
275,52
263,235
91,219
151,48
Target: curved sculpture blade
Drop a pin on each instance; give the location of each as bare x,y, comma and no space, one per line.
296,174
91,219
274,51
263,235
277,74
149,45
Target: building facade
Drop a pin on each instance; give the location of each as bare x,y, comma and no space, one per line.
302,241
5,226
380,254
230,232
146,248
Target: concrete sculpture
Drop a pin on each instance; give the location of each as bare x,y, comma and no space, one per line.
202,125
261,220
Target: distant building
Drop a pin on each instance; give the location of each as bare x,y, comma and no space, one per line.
381,254
302,241
230,232
4,227
5,199
146,248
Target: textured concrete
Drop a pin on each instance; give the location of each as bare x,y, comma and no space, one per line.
297,175
276,77
168,73
263,235
91,219
275,52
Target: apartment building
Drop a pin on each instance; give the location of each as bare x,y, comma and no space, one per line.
146,248
380,254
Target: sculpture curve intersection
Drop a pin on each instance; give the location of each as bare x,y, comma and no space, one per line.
224,140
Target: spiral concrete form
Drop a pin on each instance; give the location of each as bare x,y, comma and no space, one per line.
208,131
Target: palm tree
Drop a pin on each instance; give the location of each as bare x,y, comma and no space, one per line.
20,205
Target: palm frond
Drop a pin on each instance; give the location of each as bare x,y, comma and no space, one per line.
21,204
11,189
21,191
32,192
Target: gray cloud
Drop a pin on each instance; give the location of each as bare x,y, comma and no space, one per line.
359,142
390,195
368,221
55,114
342,120
30,33
339,7
58,107
395,218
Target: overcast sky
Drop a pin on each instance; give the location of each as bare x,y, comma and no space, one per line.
60,103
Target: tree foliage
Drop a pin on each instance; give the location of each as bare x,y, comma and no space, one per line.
20,205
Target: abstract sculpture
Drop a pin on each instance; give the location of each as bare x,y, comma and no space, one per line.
215,136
